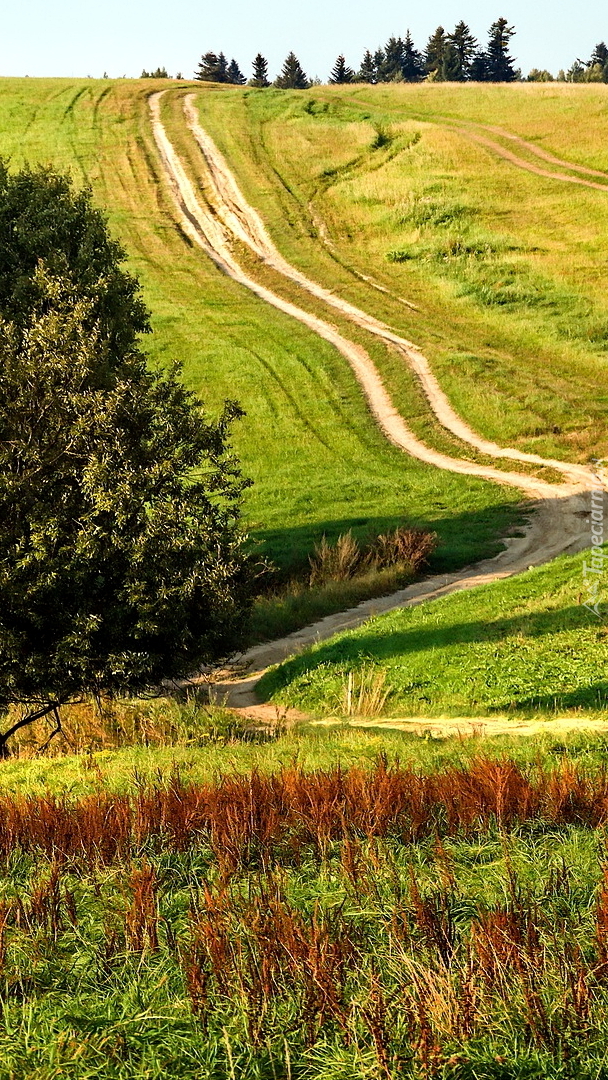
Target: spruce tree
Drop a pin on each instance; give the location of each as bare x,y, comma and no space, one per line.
434,53
478,70
368,72
412,66
212,68
391,67
500,64
465,44
599,61
234,74
378,62
451,70
260,72
292,76
340,72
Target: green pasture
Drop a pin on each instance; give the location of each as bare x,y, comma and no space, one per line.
318,463
505,267
524,646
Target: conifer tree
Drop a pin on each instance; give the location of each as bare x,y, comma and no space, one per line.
451,70
212,68
292,76
500,64
391,67
434,53
234,74
368,72
341,73
465,44
478,71
412,65
260,72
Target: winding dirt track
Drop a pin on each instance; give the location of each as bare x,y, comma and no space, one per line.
538,152
218,216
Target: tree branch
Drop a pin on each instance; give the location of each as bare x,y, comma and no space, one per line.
29,718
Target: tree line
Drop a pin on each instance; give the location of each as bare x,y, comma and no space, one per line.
449,56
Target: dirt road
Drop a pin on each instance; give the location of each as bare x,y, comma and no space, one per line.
560,521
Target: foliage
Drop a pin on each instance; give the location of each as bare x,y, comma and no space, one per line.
121,562
159,73
212,68
340,72
260,72
292,77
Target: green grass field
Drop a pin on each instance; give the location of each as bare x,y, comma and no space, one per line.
505,267
318,463
441,915
522,646
188,897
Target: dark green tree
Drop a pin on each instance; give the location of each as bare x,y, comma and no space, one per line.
391,67
451,68
340,72
500,64
260,72
434,53
412,67
212,68
368,72
292,76
121,561
599,55
465,44
479,71
234,74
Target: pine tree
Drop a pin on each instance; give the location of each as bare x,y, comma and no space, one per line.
340,72
391,67
465,45
234,74
212,68
500,64
260,72
292,76
412,67
368,71
434,53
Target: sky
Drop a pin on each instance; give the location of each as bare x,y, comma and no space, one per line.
121,37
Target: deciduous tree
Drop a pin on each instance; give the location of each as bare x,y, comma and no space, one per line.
121,560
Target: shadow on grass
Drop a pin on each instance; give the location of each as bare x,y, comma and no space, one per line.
378,647
462,538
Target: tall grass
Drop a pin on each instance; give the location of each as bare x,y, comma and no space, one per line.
388,925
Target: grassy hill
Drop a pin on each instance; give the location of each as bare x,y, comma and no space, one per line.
506,267
317,460
522,646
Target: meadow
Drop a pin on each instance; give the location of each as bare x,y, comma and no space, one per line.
414,914
521,647
317,461
186,893
504,267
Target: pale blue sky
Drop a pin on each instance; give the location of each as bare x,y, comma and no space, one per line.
80,37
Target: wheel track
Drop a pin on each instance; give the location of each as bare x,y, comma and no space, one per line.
555,527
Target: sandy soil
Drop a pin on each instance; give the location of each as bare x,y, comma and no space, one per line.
560,522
